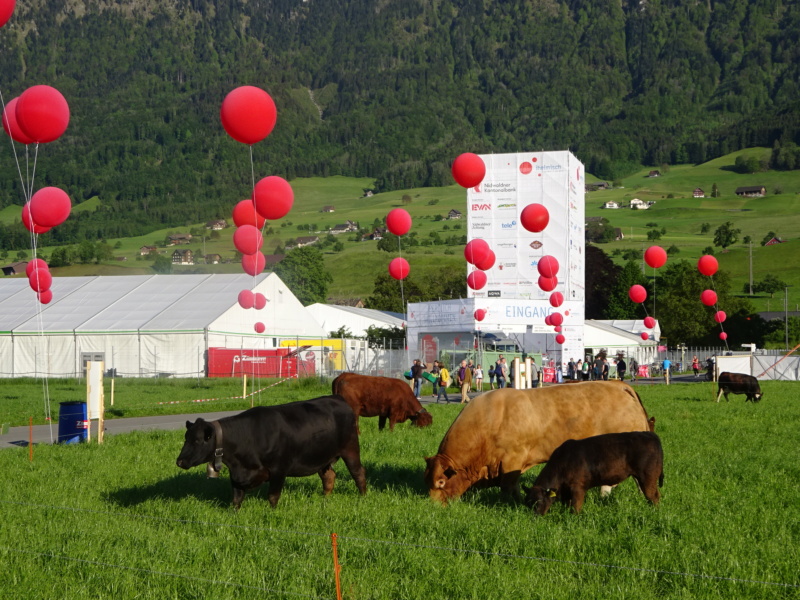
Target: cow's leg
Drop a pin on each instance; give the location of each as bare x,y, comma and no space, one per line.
720,394
275,488
605,490
352,459
381,422
509,484
328,476
238,496
577,496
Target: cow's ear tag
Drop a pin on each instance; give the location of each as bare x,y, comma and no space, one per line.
552,493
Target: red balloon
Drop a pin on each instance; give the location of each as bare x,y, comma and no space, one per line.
556,299
548,266
259,327
480,314
476,251
6,10
723,336
707,265
248,239
40,280
637,294
560,339
548,284
655,256
476,280
50,206
36,263
246,299
244,213
708,297
28,222
649,322
259,300
557,328
10,121
253,264
468,170
547,320
273,197
720,316
645,335
248,114
45,297
488,262
534,217
556,318
398,221
42,113
399,268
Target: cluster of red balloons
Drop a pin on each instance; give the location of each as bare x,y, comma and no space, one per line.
656,257
40,279
248,114
398,222
478,253
708,265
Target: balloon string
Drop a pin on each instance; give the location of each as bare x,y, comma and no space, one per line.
25,191
716,310
402,291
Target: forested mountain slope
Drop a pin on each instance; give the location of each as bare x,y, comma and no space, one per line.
390,89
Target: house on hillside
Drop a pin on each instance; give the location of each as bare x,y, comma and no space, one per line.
305,241
751,191
213,259
637,204
179,238
618,235
147,250
14,268
376,234
346,227
654,174
272,259
610,204
454,214
328,209
698,193
597,185
773,241
183,257
217,225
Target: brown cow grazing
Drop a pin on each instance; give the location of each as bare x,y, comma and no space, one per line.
503,433
608,459
738,383
382,397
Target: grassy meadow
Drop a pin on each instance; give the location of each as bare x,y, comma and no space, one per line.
121,520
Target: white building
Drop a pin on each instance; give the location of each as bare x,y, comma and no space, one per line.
332,317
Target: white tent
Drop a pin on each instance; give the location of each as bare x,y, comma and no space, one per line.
332,317
144,325
623,337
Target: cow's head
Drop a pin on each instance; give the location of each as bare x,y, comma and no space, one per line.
539,498
198,445
422,419
438,473
757,396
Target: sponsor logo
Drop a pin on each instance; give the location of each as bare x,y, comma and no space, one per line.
511,225
480,225
506,245
506,206
493,293
525,168
536,244
481,206
254,359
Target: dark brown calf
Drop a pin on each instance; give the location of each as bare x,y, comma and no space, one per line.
608,459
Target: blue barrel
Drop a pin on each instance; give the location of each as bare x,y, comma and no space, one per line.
72,422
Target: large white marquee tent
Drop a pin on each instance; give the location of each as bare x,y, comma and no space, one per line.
141,325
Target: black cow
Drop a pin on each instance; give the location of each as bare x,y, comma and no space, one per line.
608,459
738,383
271,443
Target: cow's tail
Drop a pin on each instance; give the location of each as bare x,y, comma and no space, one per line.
336,386
661,479
644,410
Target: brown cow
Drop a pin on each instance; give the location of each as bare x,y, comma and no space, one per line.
503,433
382,397
608,459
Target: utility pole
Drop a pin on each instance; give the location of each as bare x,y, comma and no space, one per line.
751,267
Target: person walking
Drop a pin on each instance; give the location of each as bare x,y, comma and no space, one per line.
416,374
666,366
534,374
634,369
695,366
605,369
585,370
621,368
491,376
578,372
435,373
471,367
444,381
500,372
464,380
478,379
511,373
571,368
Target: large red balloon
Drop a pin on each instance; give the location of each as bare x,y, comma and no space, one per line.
273,197
637,294
36,263
476,251
248,239
259,327
644,335
45,297
10,121
476,280
556,318
244,213
548,284
50,206
253,264
707,265
399,268
723,336
556,299
259,300
398,221
40,280
248,114
246,299
42,113
468,170
548,266
655,256
28,222
488,262
560,339
480,314
720,316
708,297
534,218
6,10
547,320
649,322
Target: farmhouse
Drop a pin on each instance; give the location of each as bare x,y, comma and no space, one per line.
654,174
454,214
147,250
328,209
637,204
179,238
773,241
346,227
182,257
610,204
217,225
305,241
597,185
213,259
14,268
751,191
698,193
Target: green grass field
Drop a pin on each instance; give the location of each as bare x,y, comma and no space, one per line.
121,520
